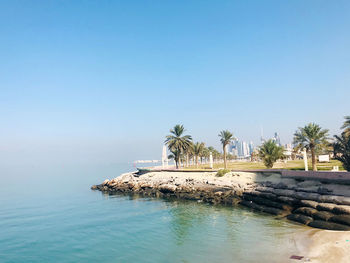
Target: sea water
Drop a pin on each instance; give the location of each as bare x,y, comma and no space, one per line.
49,214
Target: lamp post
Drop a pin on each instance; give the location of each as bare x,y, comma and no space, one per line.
211,160
305,160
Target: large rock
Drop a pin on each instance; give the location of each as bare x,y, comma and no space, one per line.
284,192
251,204
306,196
328,225
341,209
167,188
341,219
274,211
286,199
300,218
267,202
345,200
308,183
308,211
322,215
325,207
309,203
335,199
266,195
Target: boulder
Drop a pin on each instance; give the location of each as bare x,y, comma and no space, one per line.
309,203
105,182
306,196
341,219
322,215
267,195
300,218
341,209
308,183
334,199
274,211
239,192
252,205
167,188
323,190
325,207
286,199
345,200
264,189
284,192
308,211
328,225
281,186
266,202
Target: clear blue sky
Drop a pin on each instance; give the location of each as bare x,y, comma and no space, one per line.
104,81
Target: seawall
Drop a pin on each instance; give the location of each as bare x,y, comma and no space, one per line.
319,200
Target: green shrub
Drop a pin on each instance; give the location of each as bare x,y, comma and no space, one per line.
222,172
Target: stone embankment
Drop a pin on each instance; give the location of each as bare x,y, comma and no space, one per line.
310,202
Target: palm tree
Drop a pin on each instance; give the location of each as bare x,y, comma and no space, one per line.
270,152
226,138
176,155
311,136
197,150
205,154
342,150
188,153
177,142
346,126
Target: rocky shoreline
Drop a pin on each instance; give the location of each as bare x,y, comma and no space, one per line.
314,203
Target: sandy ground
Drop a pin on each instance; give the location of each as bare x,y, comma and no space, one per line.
323,246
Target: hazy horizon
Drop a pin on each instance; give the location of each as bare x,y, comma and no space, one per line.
104,82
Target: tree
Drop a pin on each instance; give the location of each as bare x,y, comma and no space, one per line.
197,150
188,152
226,138
176,155
270,152
341,149
177,142
311,136
346,126
205,154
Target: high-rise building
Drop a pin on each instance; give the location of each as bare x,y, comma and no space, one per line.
277,139
251,147
241,149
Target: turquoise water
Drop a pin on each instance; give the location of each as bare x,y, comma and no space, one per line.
49,214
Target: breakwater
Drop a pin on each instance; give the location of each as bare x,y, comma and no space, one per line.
310,201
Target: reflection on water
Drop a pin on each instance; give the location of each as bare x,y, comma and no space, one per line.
61,220
232,234
184,215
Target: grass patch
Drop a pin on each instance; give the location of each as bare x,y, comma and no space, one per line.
222,172
289,165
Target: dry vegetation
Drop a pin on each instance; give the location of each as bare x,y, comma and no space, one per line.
292,165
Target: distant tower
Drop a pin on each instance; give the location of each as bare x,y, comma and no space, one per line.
277,139
262,140
164,158
251,147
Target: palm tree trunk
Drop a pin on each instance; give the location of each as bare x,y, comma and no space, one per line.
313,158
225,164
187,159
196,161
